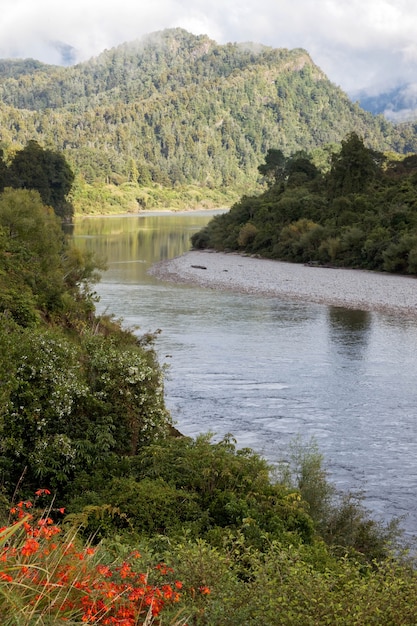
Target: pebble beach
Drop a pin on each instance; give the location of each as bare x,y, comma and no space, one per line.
354,289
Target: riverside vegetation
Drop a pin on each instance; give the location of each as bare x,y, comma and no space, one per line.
176,120
147,526
359,212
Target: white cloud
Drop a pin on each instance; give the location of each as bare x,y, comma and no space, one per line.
358,43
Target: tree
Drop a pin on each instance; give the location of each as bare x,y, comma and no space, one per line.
300,170
354,168
45,171
71,406
274,168
31,246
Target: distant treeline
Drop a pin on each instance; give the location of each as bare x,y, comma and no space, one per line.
362,213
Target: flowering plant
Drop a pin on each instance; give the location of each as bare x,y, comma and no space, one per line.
44,574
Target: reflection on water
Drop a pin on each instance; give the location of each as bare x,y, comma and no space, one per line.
350,330
138,240
353,324
266,369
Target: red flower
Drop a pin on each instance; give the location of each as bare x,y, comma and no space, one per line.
104,571
30,547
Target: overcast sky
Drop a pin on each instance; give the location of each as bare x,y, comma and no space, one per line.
360,44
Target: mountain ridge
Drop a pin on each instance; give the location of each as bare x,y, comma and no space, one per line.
177,109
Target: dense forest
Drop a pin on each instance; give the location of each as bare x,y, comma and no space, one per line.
361,213
110,516
178,115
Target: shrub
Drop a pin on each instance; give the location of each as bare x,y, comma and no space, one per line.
247,235
340,519
69,406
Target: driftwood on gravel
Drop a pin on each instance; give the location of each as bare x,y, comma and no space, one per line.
355,289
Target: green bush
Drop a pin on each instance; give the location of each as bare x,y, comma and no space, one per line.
71,405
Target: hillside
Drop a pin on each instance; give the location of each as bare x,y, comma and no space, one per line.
176,109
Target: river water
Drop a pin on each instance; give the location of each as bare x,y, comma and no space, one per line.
268,370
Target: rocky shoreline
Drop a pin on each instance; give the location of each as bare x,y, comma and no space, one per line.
354,289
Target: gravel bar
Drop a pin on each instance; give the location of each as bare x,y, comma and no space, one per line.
353,289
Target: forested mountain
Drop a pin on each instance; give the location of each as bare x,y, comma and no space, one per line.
178,109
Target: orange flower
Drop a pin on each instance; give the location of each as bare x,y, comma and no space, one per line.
30,547
204,590
163,568
136,594
126,571
104,571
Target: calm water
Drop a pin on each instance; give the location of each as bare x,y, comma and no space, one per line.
266,369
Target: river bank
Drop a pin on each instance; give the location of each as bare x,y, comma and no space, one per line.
354,289
268,368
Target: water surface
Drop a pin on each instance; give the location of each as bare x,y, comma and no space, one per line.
266,369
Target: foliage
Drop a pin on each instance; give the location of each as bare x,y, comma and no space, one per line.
293,585
131,197
44,171
177,110
41,275
74,388
360,213
49,575
341,520
202,488
230,497
31,243
71,406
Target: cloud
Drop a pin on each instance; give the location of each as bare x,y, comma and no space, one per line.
360,44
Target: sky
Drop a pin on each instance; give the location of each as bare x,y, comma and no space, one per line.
368,45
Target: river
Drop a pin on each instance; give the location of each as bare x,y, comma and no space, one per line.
268,370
